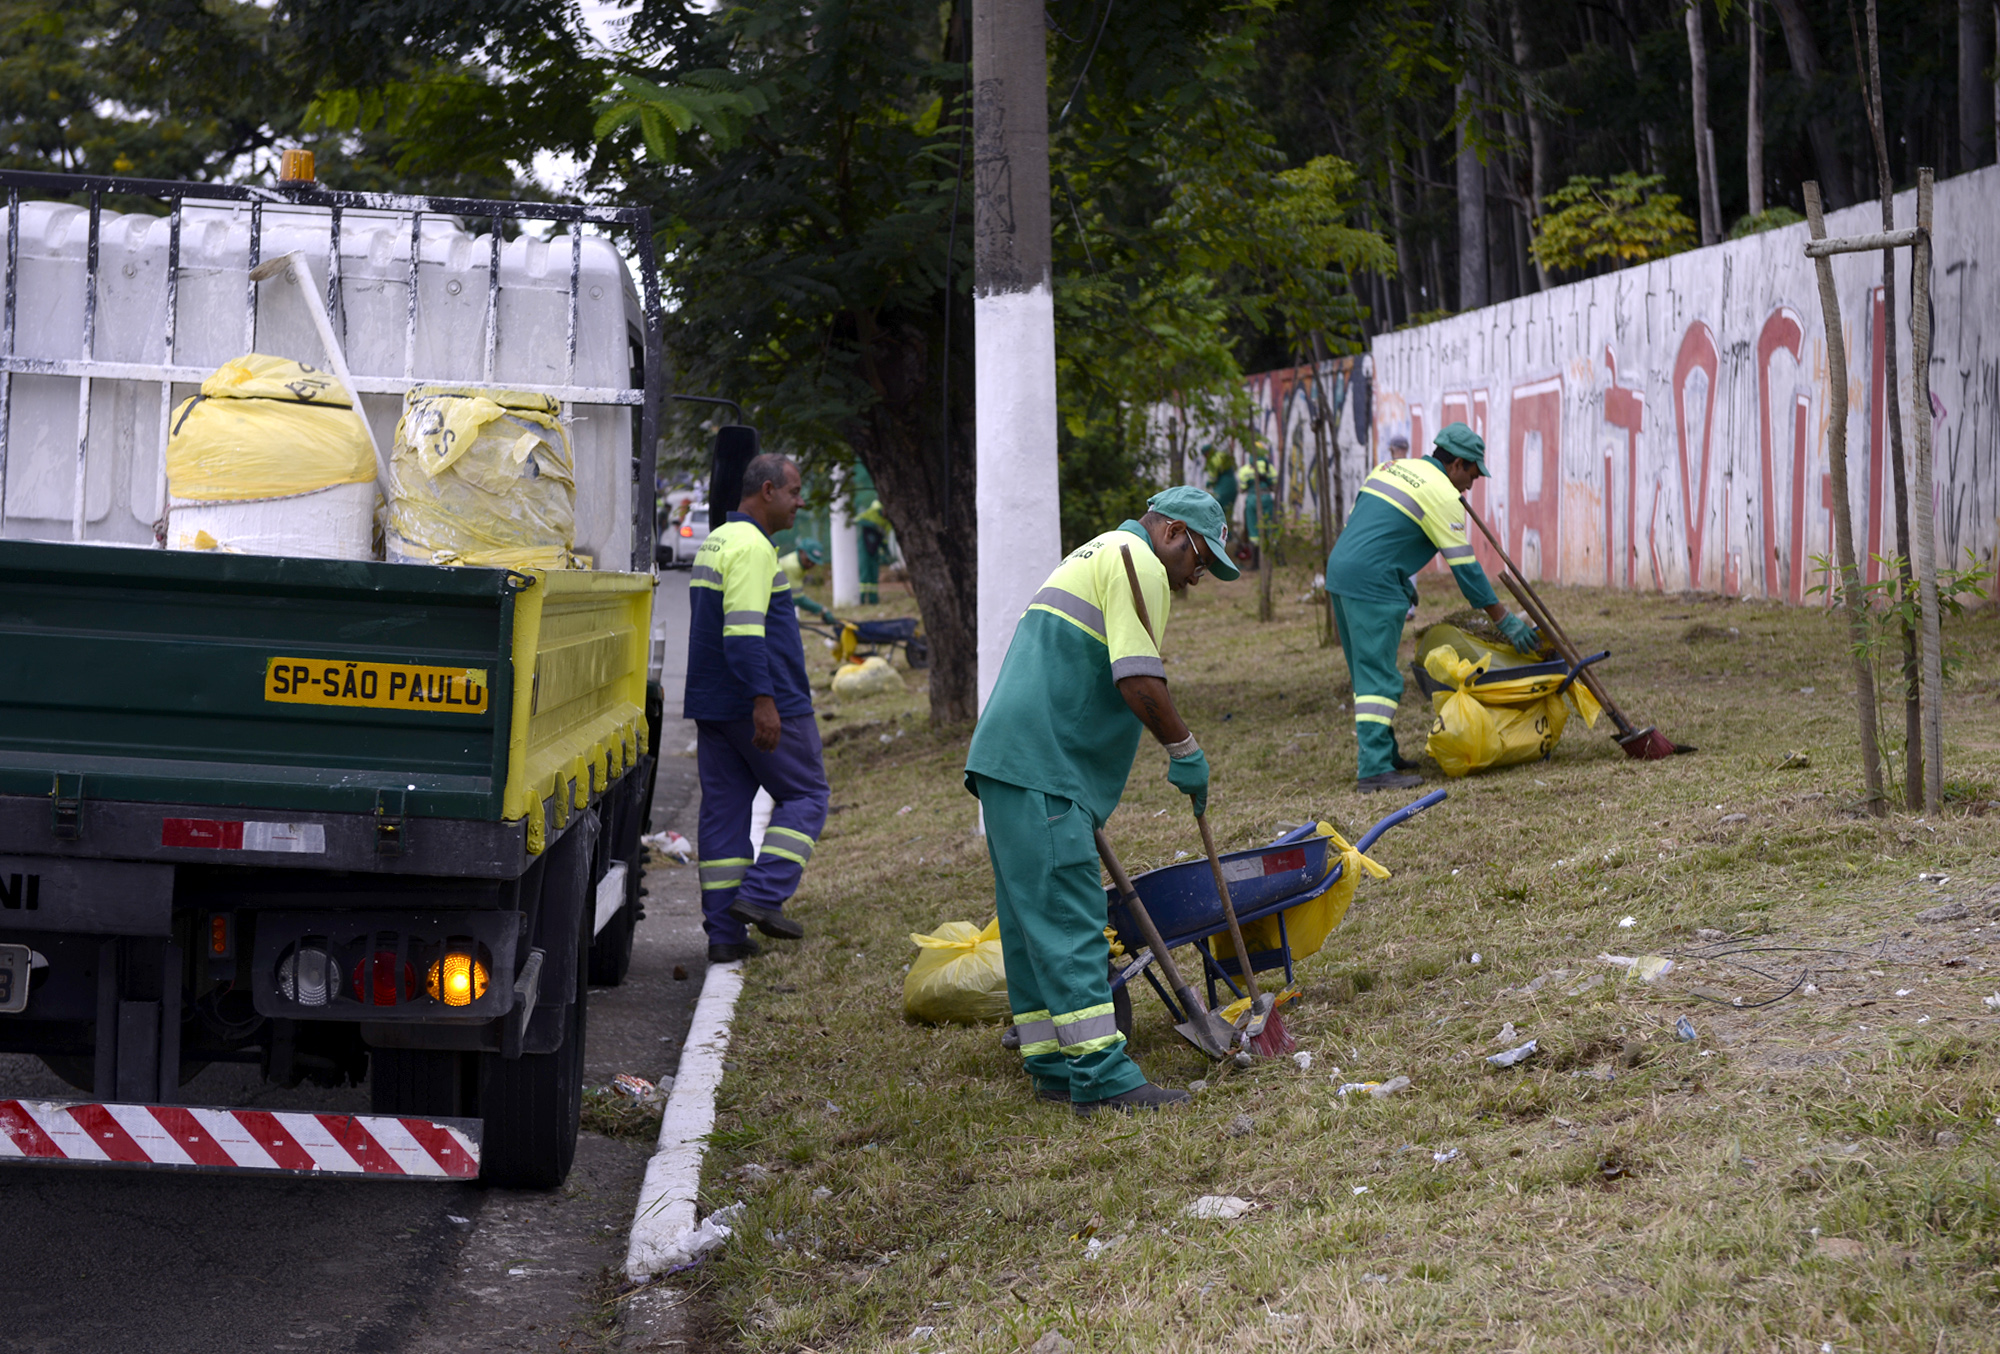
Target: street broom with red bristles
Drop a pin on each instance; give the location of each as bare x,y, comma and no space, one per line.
1263,1031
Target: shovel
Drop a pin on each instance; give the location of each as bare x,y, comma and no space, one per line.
1263,1032
1204,1029
1644,745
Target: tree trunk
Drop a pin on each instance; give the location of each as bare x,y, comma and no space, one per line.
1974,130
1753,149
1843,520
1704,164
1406,263
1472,276
1892,394
1804,52
1538,148
929,495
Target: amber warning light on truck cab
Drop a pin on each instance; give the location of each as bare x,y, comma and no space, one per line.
390,686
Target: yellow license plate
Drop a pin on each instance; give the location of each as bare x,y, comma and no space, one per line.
380,686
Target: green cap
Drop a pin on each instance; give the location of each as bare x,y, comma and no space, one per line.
810,551
1197,510
1458,440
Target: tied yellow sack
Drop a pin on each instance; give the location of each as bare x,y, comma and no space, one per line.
265,427
1309,924
958,976
1496,723
482,478
869,677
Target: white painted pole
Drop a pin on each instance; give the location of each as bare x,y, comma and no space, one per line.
1013,311
843,548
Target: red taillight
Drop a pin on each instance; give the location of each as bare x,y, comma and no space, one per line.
382,970
218,936
686,530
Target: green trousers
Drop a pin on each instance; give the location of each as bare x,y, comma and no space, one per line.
869,571
1370,634
1051,904
1259,509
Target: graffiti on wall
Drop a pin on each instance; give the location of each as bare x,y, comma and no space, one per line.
1665,427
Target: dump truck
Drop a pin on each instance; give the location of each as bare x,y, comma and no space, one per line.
347,820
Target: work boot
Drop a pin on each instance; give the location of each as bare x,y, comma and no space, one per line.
1055,1095
1146,1097
1399,761
729,954
1388,780
770,920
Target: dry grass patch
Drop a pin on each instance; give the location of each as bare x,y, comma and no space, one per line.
1815,1167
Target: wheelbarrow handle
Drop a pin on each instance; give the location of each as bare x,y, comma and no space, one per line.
1577,671
1402,815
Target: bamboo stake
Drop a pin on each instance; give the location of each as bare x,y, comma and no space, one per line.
1927,591
1843,519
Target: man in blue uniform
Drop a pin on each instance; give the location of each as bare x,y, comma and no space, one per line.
1049,761
1407,512
753,714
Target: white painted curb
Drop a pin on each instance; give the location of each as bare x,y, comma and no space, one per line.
665,1220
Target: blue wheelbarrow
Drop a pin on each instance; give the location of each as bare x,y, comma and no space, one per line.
1264,881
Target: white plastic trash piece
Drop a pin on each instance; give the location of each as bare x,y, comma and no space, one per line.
1381,1090
1304,1060
1360,1189
1514,1055
670,844
1220,1206
1627,923
1475,953
693,1244
1647,968
1508,1034
1993,1003
1449,1154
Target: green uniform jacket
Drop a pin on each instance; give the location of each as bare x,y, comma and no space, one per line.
1407,512
1056,721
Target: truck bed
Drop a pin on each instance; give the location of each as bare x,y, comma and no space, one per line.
399,709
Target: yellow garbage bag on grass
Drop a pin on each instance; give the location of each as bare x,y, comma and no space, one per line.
265,427
1476,725
482,477
1309,924
869,677
958,975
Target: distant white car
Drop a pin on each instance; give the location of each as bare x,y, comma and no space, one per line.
681,539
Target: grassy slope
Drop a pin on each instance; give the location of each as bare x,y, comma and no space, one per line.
1623,1190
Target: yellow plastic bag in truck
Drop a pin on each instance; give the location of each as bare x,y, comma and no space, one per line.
265,427
482,477
1309,924
958,976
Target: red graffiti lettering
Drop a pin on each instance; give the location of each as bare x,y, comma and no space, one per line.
1782,332
1534,474
1625,409
1697,353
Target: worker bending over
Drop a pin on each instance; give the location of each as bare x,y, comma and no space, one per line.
798,567
874,553
1049,762
753,714
1407,512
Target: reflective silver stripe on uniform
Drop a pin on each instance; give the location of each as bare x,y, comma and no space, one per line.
1456,555
780,583
1379,705
701,573
1138,665
722,874
1070,605
1037,1036
742,618
1375,484
1089,1030
787,844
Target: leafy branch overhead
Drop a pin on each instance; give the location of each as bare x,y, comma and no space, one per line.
716,102
1628,220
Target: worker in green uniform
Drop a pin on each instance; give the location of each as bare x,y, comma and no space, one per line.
1407,512
1260,503
1221,478
798,566
875,530
1049,762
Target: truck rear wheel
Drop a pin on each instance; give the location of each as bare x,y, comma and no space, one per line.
427,1082
532,1103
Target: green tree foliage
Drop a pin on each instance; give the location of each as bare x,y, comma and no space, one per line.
1628,220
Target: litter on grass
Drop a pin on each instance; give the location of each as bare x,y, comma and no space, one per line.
1518,1054
1647,968
690,1246
638,1090
1685,1029
1381,1090
670,844
1304,1060
1224,1207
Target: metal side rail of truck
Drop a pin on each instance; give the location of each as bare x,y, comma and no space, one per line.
342,820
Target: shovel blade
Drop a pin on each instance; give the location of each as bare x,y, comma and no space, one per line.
1209,1033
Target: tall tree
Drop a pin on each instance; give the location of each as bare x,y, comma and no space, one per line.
1753,142
1803,48
1704,136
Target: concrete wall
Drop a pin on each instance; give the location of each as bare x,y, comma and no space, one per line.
1665,427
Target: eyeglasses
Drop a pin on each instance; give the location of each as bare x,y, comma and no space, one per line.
1195,550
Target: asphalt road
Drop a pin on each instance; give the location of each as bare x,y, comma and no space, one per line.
97,1259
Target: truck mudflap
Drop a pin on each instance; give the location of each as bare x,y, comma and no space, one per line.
237,1141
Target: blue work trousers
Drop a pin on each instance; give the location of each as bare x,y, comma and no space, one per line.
731,769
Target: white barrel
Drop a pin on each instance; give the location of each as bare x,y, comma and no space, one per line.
335,523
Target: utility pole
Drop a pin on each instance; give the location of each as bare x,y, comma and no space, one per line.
1013,318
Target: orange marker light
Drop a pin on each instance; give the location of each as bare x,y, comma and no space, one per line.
218,935
457,980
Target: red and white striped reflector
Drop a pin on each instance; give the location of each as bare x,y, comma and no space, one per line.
284,1142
